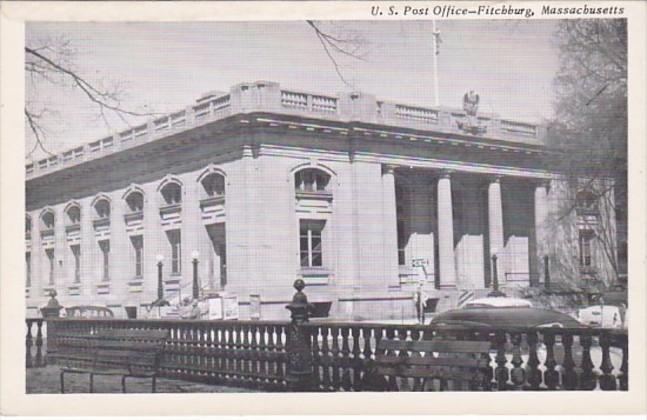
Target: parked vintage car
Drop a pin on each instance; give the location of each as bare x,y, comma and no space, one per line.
603,316
502,312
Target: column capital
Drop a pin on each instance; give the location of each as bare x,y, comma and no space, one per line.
446,173
388,169
494,178
542,183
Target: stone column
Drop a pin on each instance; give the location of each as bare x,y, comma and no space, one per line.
446,233
119,267
495,224
541,212
61,278
37,257
389,225
252,219
192,228
154,242
88,245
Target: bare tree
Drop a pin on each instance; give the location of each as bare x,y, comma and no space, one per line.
52,61
338,42
591,126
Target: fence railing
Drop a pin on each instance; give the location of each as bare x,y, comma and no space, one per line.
236,353
301,355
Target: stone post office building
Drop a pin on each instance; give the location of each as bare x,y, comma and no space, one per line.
364,199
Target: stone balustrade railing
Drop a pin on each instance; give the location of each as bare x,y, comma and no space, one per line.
270,97
520,359
34,352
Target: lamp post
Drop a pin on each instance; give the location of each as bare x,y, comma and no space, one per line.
420,304
495,278
546,273
160,284
196,289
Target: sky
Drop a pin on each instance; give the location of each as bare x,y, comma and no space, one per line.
163,67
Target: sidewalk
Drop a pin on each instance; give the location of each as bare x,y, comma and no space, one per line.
46,380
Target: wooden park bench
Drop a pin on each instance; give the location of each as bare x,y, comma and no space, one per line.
125,353
452,364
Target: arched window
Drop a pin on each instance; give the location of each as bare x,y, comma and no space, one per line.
73,214
586,203
214,185
102,207
172,193
311,180
47,220
135,201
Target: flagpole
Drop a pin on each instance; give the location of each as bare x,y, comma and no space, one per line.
435,62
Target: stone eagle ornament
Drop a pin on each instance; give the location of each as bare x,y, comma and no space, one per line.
471,124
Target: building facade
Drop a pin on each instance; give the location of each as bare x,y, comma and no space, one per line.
366,200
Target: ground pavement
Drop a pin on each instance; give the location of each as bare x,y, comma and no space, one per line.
46,380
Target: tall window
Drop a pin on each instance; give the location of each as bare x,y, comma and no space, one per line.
401,243
586,203
311,180
28,227
586,238
175,241
172,193
223,265
105,256
28,267
50,258
135,201
310,243
138,251
76,253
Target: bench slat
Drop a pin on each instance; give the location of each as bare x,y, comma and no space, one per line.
388,360
133,335
430,372
444,346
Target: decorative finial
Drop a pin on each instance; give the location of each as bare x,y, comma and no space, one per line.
299,284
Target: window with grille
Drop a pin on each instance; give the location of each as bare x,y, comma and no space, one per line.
138,252
28,267
176,251
586,238
105,255
310,240
76,253
50,258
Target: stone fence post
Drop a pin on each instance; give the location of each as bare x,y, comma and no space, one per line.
300,370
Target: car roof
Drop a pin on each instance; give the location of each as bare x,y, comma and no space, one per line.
498,302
